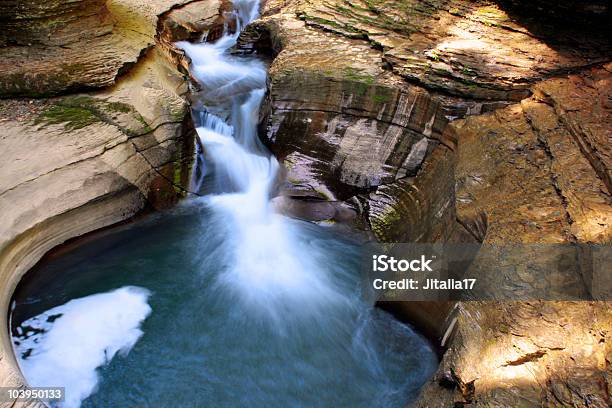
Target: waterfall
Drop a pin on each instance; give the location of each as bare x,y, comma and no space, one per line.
269,269
232,91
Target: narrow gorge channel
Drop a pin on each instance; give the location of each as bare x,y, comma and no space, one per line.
220,301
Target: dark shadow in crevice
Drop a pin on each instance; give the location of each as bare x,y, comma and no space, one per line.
569,27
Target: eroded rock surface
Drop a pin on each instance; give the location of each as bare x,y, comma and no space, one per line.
471,49
525,354
53,47
342,124
541,168
360,94
361,97
533,173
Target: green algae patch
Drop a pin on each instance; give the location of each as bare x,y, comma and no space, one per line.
388,220
343,28
381,96
327,221
360,82
177,180
119,107
77,112
322,195
146,128
72,117
357,75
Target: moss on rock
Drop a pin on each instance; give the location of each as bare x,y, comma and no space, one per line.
72,117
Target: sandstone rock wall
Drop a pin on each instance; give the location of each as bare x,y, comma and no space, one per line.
472,49
360,100
360,94
80,162
522,177
54,47
551,161
347,130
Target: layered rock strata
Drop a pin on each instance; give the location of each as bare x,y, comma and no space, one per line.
54,47
85,160
357,125
363,110
360,99
533,173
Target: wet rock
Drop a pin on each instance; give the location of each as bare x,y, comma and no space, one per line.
526,354
343,112
129,135
342,126
414,160
192,21
448,380
416,209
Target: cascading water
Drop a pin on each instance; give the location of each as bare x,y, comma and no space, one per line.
269,271
221,302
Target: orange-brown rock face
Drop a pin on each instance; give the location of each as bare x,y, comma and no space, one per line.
525,354
51,23
53,47
540,170
473,49
365,107
420,121
525,176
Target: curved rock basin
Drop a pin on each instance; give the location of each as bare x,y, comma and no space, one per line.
188,338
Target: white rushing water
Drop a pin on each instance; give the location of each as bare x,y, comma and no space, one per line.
66,344
270,271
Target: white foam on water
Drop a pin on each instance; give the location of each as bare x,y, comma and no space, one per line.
269,271
64,346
